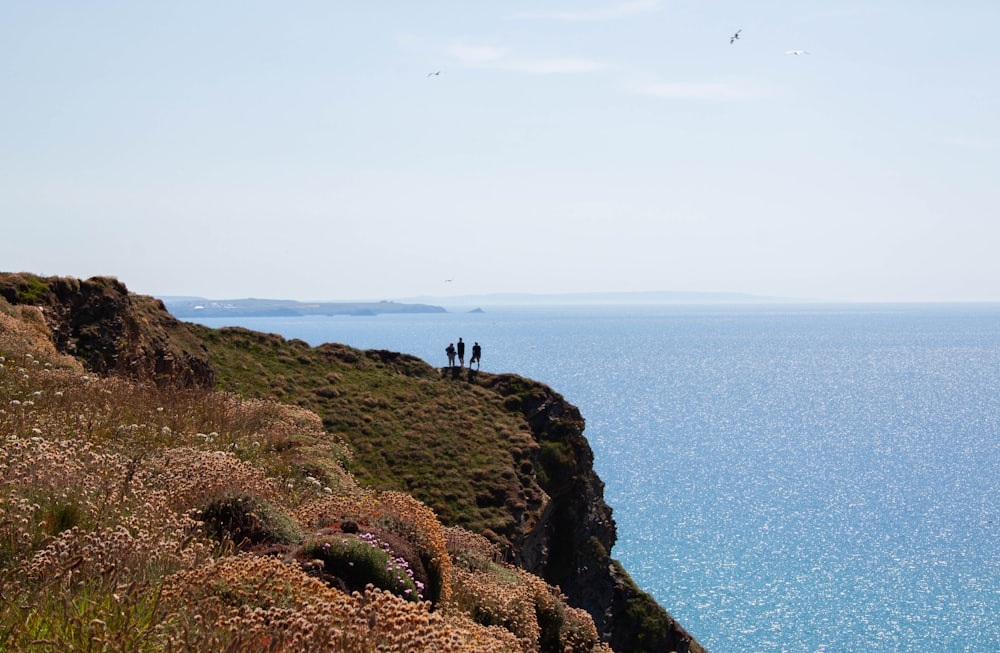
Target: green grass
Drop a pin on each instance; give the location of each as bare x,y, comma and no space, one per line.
25,288
102,615
359,561
451,444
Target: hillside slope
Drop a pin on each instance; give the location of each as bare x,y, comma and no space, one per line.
500,455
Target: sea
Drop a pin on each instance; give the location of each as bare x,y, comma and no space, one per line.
798,478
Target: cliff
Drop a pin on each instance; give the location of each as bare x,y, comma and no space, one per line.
570,544
499,455
112,331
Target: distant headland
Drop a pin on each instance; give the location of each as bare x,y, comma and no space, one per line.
198,307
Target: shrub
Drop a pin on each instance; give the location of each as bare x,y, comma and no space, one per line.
398,513
247,520
361,559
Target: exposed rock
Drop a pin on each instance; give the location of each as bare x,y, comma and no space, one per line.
112,331
571,542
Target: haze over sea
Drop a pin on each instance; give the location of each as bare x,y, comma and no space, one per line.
792,478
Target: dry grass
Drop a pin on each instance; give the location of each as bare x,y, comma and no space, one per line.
511,598
253,603
106,488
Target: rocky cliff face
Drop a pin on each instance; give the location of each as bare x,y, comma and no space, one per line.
571,541
561,527
112,331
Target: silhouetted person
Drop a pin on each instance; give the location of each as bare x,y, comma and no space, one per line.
477,352
450,350
461,352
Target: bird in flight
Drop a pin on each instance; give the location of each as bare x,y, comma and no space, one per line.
796,52
436,72
735,37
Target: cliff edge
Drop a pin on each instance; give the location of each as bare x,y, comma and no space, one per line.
571,542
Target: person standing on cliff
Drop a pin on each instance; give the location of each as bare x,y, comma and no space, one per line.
461,353
450,350
477,351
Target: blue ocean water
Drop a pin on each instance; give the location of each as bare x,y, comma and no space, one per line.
797,478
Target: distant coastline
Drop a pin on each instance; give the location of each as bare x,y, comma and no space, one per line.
199,307
602,298
196,307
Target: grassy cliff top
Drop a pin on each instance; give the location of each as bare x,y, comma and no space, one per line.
455,446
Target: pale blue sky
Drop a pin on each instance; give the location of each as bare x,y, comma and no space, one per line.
300,150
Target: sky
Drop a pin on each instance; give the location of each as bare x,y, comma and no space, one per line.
310,150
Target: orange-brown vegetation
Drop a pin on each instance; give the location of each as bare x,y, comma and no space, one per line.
143,518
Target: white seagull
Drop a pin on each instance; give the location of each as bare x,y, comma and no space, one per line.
796,52
437,72
735,37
